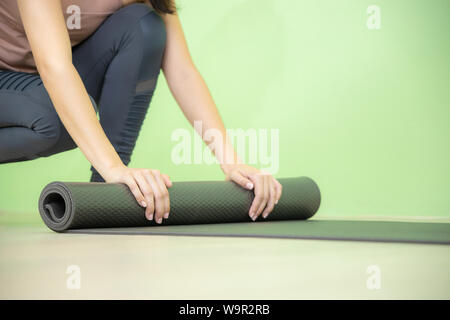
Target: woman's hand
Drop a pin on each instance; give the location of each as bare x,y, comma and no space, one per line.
148,186
267,189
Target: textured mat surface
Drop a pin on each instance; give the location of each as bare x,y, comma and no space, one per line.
65,206
379,231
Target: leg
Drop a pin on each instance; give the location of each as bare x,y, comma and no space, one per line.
119,65
29,125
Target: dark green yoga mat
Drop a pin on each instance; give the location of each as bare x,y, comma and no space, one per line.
65,206
217,208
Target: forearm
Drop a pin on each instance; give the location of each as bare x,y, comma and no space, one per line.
193,96
75,110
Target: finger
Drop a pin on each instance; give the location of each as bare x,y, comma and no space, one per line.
136,191
258,182
265,199
162,186
157,196
279,190
272,198
167,180
238,178
147,191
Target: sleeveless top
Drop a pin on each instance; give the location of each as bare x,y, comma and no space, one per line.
82,18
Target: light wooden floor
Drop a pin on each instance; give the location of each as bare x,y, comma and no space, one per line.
34,261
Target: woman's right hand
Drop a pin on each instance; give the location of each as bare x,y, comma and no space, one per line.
149,187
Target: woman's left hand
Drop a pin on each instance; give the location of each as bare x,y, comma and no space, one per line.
266,188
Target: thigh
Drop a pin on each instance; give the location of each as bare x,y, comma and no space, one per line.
23,99
29,124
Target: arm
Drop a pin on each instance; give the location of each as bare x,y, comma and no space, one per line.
190,90
191,93
49,40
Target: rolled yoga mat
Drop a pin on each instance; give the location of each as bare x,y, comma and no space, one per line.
66,206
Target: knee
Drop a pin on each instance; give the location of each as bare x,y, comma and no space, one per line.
153,31
48,129
140,24
52,136
52,133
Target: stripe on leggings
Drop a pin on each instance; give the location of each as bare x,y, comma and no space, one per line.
18,81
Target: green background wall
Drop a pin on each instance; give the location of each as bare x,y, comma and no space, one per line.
364,112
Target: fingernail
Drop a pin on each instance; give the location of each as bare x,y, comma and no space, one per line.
254,217
166,215
251,214
265,215
159,220
250,186
276,201
151,217
143,204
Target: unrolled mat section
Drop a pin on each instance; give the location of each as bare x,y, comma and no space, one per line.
374,231
65,206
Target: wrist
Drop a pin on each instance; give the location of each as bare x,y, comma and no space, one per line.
227,168
106,169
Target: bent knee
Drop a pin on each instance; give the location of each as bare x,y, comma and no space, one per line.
47,129
140,24
153,43
153,32
51,135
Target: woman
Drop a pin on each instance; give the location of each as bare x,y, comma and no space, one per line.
59,58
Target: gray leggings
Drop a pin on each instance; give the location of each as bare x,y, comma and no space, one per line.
119,65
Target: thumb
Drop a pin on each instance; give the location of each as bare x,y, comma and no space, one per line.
238,178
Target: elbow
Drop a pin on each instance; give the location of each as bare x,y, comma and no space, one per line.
51,70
